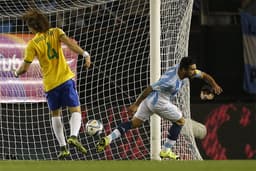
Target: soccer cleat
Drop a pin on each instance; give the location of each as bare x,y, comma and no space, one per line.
169,155
102,144
74,141
63,152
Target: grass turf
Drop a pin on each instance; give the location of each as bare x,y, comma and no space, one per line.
132,165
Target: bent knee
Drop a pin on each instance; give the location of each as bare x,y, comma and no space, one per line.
136,122
181,121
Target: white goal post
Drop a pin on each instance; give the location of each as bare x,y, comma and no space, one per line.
155,73
125,46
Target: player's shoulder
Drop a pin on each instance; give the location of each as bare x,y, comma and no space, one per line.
58,31
198,74
55,30
170,73
198,71
173,68
31,43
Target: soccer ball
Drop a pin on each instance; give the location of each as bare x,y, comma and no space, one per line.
94,127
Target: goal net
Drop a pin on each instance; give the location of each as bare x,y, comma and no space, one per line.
116,34
175,29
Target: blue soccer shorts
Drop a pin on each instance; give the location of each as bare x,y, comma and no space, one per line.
63,95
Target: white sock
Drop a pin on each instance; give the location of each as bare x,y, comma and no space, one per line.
168,144
114,135
58,130
75,123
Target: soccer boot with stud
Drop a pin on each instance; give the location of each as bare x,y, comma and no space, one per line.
102,144
74,141
63,152
169,155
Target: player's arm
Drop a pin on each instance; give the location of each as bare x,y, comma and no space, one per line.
133,108
76,48
28,58
143,95
210,80
23,68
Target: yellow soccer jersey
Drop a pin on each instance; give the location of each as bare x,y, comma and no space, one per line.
47,48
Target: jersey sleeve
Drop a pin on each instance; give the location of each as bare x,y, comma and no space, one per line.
30,53
60,32
198,74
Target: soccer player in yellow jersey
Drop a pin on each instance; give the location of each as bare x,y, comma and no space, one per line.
57,76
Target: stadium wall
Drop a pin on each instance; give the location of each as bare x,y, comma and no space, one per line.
230,127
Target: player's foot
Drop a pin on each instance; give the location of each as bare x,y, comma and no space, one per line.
102,144
169,155
63,152
74,141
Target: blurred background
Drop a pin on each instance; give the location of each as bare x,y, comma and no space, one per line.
216,42
221,39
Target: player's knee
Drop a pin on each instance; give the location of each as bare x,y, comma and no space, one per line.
74,109
180,122
55,113
125,126
136,122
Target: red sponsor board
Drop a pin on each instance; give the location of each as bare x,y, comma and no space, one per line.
28,87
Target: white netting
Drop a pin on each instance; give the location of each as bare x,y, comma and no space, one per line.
116,34
175,27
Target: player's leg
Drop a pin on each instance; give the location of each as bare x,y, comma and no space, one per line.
172,113
138,119
55,110
118,132
75,120
75,124
171,139
59,133
70,98
54,106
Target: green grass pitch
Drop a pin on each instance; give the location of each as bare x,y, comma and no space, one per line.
131,165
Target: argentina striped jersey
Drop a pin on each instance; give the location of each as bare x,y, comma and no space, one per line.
169,84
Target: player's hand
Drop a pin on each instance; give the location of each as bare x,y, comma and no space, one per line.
87,62
206,95
15,73
132,109
217,89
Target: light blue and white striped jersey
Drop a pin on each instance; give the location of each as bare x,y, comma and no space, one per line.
169,84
